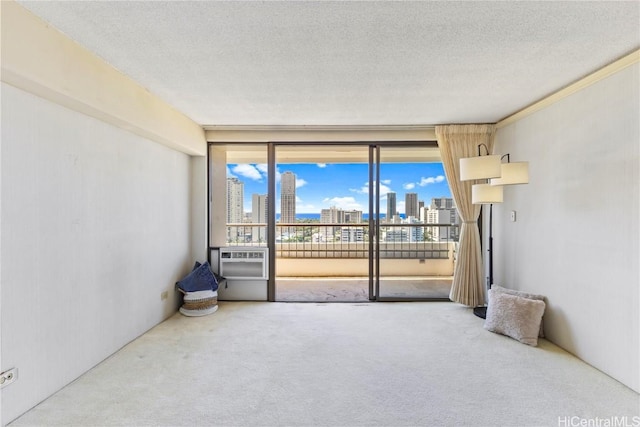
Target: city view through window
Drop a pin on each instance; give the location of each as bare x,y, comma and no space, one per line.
411,194
324,246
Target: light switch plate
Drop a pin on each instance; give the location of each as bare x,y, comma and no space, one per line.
513,216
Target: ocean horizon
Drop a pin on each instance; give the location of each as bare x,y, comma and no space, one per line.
317,216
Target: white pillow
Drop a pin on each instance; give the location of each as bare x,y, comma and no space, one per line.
514,316
523,295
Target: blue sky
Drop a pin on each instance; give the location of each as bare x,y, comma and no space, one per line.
320,186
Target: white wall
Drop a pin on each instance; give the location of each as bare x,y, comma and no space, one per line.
39,59
95,226
576,235
217,198
199,218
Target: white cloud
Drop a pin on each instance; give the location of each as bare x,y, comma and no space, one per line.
430,180
302,207
300,182
248,171
384,189
321,165
347,203
230,174
423,182
364,189
264,169
386,181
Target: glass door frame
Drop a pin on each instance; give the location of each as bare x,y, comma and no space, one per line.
374,208
375,161
374,222
271,200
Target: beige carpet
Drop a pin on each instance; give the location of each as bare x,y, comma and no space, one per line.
350,364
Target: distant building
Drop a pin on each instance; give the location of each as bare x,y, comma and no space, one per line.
288,197
391,206
411,205
353,217
405,234
333,215
441,211
259,215
442,203
415,234
396,219
396,235
235,200
352,234
235,209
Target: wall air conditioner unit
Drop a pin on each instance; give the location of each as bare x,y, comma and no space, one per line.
244,263
246,271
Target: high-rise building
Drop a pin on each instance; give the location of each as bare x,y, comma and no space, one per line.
333,215
353,217
440,216
411,205
259,208
288,197
442,203
442,211
259,215
352,234
235,200
391,206
396,235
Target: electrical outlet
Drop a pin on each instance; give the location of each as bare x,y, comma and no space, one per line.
164,295
513,216
7,377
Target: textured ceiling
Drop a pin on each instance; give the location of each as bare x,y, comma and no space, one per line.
350,63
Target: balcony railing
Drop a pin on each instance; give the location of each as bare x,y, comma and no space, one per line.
349,240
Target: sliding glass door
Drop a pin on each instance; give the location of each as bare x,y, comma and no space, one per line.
341,221
414,224
321,232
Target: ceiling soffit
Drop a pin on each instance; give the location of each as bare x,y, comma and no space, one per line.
350,63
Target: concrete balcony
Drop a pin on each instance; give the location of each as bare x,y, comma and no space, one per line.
311,269
351,259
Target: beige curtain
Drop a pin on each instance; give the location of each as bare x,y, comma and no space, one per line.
456,142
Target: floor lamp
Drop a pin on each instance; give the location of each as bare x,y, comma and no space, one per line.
497,174
487,194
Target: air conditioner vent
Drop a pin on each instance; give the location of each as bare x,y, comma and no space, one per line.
244,263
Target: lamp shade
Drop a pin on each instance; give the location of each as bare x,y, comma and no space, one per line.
513,173
481,167
486,193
